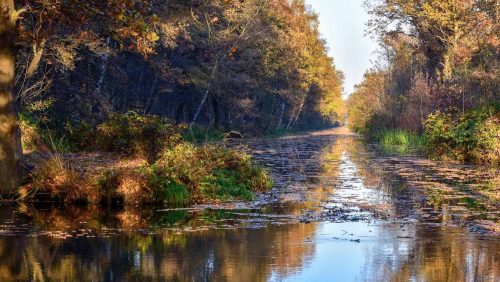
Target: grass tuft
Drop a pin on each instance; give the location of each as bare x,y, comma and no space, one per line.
399,141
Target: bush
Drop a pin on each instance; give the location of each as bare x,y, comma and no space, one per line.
226,184
199,134
131,133
212,172
34,138
108,185
166,189
473,136
81,136
31,134
186,174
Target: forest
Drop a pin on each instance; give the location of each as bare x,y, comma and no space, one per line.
79,76
436,82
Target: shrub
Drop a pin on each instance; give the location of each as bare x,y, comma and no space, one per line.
225,184
212,172
131,133
31,135
107,185
166,189
35,138
81,136
473,136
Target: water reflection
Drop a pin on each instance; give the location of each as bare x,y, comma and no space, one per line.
296,252
341,211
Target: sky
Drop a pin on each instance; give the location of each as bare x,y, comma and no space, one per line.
343,25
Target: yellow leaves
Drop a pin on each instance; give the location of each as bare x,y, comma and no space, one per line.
134,33
152,37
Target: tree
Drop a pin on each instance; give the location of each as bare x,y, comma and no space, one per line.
10,153
47,21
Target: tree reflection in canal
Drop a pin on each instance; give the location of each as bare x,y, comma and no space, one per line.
341,211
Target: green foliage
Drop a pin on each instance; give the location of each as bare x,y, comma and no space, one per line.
81,136
398,141
469,137
210,172
166,189
37,137
200,134
226,184
136,134
31,133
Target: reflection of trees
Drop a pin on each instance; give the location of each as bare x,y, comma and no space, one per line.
240,254
217,255
389,196
436,254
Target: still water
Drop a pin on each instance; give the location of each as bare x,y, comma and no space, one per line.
341,211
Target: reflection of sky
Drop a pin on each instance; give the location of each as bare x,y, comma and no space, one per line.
386,250
352,189
342,24
338,259
385,254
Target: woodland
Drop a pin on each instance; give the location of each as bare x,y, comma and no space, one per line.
437,82
86,76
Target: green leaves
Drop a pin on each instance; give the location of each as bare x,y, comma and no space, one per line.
471,136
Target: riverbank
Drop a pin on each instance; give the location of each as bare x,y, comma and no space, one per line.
134,159
185,174
467,137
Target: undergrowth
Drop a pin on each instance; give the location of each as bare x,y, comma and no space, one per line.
173,171
473,136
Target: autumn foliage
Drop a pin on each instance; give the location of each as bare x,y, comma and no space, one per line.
439,62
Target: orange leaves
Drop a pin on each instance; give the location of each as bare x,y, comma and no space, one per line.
231,53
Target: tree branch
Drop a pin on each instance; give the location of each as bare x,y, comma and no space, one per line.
15,15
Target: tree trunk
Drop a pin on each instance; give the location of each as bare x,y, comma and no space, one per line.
205,96
151,93
215,107
10,154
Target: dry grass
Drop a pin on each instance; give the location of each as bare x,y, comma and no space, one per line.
55,180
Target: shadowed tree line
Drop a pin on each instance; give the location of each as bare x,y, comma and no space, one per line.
255,66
